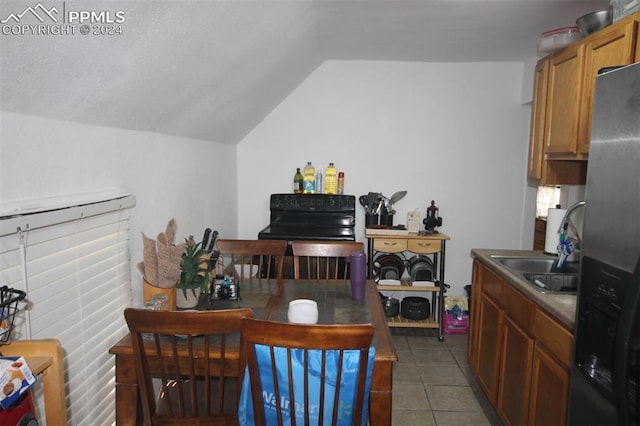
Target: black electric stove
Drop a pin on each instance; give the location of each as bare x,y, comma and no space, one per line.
311,217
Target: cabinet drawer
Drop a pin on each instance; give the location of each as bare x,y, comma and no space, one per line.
519,309
390,245
554,336
423,246
492,286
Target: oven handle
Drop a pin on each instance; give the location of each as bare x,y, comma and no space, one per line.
625,328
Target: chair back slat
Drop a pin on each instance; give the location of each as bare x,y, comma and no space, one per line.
188,352
256,259
291,339
323,260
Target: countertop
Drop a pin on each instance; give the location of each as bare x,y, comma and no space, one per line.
560,306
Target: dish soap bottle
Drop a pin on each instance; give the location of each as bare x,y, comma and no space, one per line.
309,179
297,182
331,180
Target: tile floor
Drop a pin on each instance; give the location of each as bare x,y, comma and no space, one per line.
432,383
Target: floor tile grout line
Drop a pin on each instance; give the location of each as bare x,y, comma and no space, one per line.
459,348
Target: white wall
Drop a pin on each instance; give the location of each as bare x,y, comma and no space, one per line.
190,180
454,133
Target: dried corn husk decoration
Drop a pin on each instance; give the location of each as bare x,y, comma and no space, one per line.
161,258
149,260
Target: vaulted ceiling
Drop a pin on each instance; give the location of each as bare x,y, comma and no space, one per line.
213,69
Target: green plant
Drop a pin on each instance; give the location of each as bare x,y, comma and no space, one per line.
194,268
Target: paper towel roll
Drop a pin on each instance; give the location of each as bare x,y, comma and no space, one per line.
552,237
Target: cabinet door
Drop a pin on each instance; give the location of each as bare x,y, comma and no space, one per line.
515,375
474,313
637,21
563,108
538,110
549,390
490,336
609,47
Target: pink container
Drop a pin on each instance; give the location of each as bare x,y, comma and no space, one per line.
453,325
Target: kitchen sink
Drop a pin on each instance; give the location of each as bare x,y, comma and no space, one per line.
533,264
554,282
537,272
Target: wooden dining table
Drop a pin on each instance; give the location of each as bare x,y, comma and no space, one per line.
270,300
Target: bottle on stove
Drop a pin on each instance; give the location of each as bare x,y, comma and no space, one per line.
298,182
340,183
331,180
309,179
319,183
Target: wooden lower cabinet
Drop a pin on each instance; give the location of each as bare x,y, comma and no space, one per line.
519,354
489,347
539,234
474,316
549,389
515,375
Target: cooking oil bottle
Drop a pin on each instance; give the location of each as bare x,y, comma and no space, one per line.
331,180
298,182
309,179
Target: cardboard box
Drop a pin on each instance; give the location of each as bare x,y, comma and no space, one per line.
15,379
414,219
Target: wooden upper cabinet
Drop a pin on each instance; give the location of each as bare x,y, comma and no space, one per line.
611,46
538,111
564,84
542,171
563,107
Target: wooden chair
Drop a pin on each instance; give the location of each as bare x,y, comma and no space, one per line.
254,258
172,346
331,342
323,260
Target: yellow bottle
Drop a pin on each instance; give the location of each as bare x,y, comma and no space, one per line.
331,180
309,179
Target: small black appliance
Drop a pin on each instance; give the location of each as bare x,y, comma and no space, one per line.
415,308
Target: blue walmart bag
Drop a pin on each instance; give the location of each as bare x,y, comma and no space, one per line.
347,386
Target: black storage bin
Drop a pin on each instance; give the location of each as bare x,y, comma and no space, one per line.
415,308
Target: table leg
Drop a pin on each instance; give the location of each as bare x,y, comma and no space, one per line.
380,407
126,391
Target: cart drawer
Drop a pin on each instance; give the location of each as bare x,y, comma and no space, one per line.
390,245
424,246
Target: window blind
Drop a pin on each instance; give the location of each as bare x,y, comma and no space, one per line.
78,283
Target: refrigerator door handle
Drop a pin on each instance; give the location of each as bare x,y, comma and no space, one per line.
625,328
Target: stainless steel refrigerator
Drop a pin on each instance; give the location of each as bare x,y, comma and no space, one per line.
606,374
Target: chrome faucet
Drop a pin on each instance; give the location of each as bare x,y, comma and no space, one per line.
566,246
564,224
